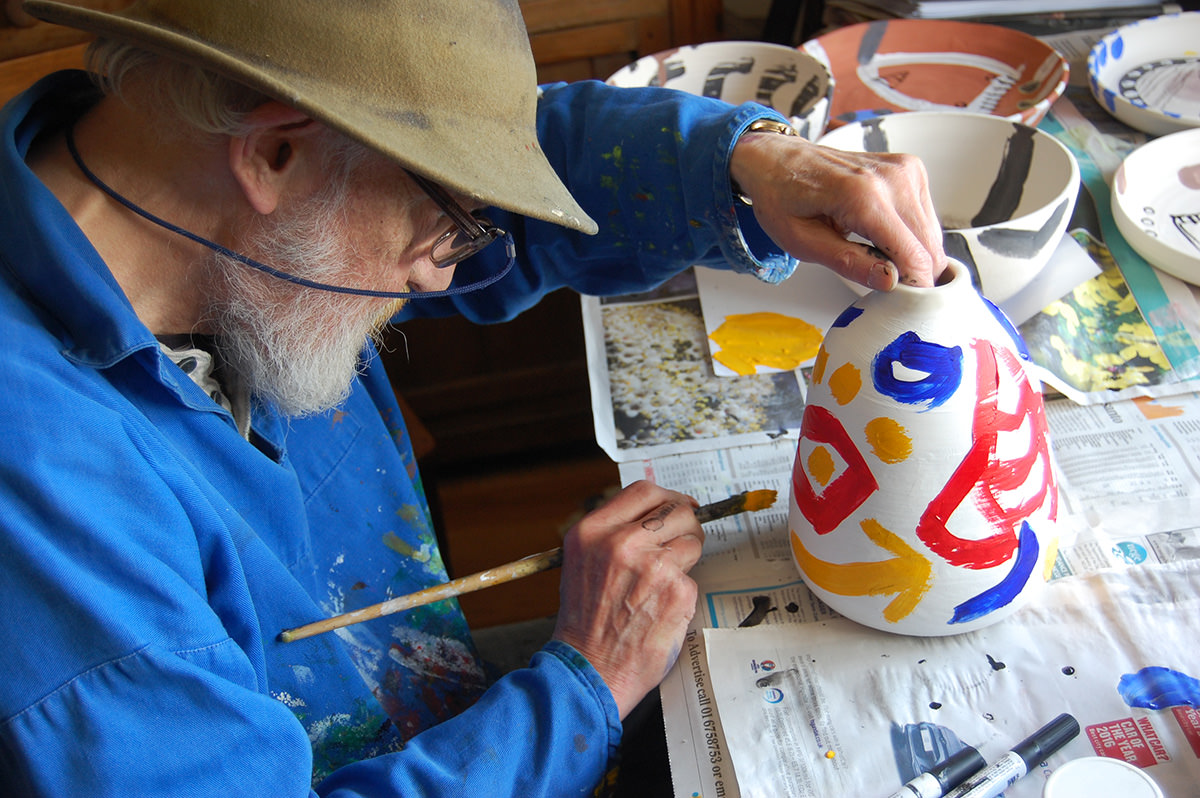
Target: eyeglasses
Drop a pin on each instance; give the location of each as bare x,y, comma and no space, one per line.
470,234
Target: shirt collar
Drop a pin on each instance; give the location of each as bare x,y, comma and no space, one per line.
54,264
45,250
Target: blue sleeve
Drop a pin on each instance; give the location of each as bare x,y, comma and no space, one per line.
164,723
546,730
135,651
651,166
142,603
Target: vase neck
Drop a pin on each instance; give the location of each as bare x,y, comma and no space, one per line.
953,288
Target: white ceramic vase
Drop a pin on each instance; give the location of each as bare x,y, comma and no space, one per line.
923,492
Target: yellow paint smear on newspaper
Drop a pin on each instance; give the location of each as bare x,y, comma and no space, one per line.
750,340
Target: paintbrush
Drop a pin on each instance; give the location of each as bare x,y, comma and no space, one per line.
747,501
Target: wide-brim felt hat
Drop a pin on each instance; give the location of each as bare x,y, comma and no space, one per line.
447,88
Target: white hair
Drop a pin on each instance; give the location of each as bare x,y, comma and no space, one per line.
205,100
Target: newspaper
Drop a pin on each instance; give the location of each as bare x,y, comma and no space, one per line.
1140,516
1147,510
654,392
835,709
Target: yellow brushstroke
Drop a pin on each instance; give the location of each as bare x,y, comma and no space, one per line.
396,544
845,383
908,574
889,440
1050,556
818,372
821,465
749,340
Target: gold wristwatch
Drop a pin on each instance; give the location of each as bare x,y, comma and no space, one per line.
760,126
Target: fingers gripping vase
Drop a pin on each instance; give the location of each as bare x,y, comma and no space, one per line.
923,493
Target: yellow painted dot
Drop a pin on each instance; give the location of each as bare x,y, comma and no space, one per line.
845,383
830,754
749,340
820,465
889,440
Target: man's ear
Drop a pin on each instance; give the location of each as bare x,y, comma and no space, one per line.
264,160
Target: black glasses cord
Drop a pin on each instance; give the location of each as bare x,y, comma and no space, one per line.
510,248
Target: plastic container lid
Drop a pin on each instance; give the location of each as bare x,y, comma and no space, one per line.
1090,776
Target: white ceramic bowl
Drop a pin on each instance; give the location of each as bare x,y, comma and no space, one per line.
1004,191
1147,73
783,78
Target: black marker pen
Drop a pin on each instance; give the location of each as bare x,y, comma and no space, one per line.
1025,755
944,776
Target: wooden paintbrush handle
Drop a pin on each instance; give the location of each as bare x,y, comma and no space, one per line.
535,563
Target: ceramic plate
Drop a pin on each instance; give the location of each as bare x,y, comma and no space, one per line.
1147,73
783,78
1156,203
895,65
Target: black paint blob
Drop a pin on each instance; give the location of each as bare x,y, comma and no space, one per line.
762,608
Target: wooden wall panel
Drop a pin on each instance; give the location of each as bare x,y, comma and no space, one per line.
547,15
19,73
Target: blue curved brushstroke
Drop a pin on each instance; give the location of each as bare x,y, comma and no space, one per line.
1118,47
848,315
1002,594
1017,340
942,366
1159,688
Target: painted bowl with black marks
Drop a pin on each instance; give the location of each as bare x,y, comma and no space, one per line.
1003,191
783,78
889,66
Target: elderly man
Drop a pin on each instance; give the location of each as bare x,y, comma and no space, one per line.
197,245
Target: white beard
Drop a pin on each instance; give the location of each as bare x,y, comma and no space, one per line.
296,347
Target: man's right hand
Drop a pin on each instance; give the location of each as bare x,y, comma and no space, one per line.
626,598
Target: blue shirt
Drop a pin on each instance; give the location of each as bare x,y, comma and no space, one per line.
150,555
